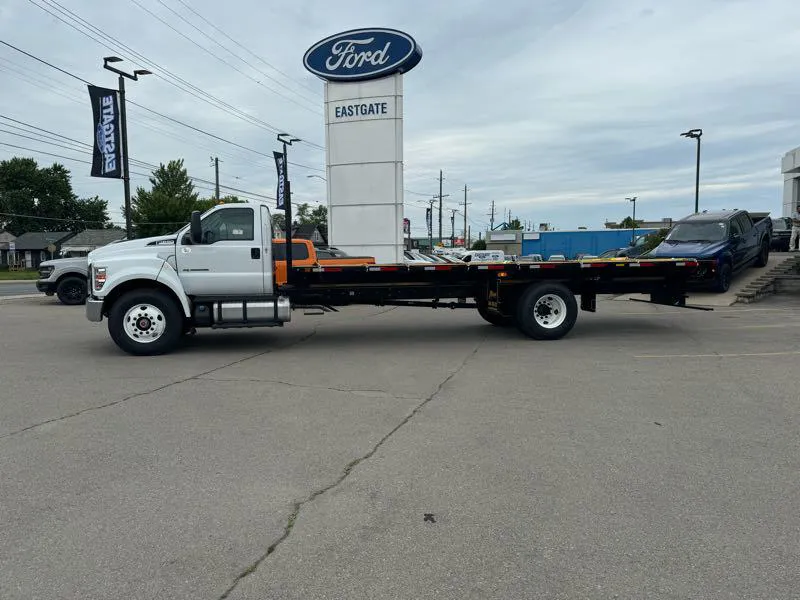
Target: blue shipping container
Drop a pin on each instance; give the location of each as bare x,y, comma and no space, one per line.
572,243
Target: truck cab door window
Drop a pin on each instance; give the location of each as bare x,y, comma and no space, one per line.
230,224
745,223
736,228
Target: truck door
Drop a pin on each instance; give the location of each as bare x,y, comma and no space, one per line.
738,243
229,261
750,235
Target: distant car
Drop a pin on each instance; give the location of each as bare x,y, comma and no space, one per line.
609,253
557,258
531,258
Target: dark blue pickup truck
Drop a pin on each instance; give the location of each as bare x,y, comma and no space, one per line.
732,239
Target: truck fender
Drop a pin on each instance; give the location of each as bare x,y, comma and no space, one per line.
169,277
144,269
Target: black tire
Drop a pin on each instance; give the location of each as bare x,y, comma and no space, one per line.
158,311
493,317
564,312
71,291
763,255
724,276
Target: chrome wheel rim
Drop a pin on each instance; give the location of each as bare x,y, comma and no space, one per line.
144,323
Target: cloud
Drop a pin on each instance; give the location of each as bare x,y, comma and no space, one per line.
555,110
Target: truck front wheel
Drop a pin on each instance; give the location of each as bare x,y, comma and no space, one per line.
547,311
145,323
71,291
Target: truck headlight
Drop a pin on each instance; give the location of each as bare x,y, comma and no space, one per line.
45,272
99,277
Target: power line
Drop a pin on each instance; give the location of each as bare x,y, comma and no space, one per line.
273,67
193,26
193,90
163,116
252,195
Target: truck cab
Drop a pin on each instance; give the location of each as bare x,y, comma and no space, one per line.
222,270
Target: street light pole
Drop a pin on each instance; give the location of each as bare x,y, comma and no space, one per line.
126,179
633,235
287,140
695,134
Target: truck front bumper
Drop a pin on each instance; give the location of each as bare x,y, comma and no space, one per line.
94,310
47,287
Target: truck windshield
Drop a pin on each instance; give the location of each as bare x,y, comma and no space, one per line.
708,231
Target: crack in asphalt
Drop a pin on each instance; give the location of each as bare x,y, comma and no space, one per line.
154,390
297,506
310,387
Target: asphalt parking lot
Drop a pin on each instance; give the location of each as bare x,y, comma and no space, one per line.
653,453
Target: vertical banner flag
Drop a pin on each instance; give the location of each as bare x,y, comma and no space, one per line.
407,226
107,155
428,218
280,165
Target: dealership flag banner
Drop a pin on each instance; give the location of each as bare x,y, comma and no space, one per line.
280,165
107,157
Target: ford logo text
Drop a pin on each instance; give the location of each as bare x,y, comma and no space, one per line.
362,54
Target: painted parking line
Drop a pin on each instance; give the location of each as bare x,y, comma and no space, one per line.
743,355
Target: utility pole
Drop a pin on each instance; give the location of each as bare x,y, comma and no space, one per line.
215,164
466,242
491,217
440,206
126,178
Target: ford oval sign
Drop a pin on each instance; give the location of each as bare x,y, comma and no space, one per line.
362,54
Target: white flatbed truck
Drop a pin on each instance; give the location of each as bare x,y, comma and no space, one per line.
221,271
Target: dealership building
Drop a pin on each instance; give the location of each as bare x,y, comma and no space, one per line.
790,167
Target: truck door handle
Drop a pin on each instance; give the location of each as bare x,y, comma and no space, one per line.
255,253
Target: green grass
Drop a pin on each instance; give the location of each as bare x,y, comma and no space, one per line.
30,275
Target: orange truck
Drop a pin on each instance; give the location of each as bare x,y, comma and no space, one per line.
304,254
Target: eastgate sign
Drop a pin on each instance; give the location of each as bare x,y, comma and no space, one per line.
362,54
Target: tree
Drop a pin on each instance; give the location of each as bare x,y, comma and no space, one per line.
41,199
168,205
279,221
514,224
479,245
654,239
203,204
308,216
627,223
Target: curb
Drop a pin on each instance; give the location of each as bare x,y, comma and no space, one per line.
32,281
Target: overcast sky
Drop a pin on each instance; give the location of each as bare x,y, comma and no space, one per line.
555,109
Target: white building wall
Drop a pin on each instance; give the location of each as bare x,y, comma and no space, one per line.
364,164
790,167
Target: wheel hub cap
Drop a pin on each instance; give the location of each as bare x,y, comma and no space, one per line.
550,311
144,323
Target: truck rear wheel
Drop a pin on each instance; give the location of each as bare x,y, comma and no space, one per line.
145,323
71,291
547,311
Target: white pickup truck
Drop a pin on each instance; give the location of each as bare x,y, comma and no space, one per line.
64,277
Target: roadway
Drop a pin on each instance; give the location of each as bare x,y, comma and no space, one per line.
17,289
652,453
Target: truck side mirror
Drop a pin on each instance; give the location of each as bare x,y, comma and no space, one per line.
195,229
